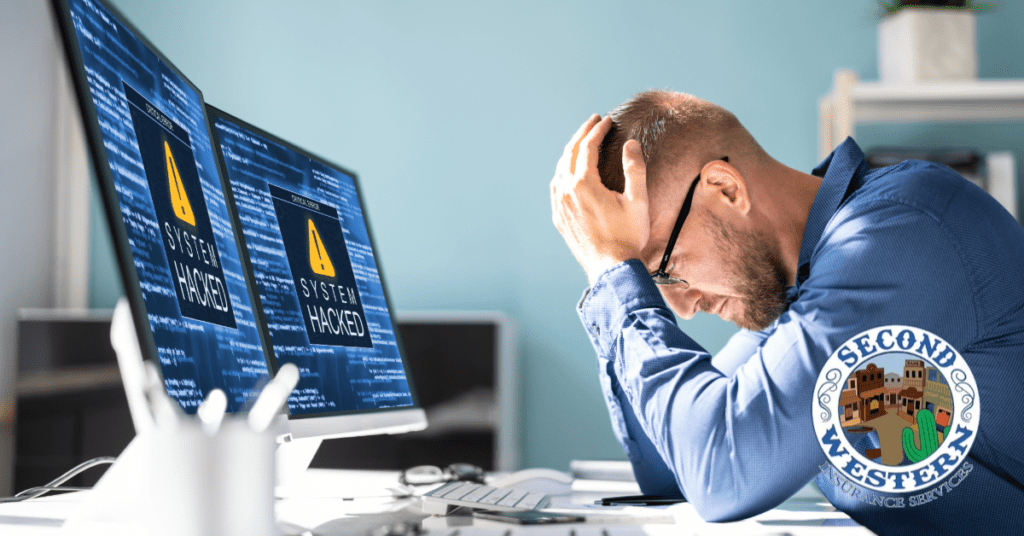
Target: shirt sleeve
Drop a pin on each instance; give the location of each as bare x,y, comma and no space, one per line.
736,431
668,403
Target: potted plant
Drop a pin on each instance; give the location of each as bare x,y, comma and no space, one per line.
928,40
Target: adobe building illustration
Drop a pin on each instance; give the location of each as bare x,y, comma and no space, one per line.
893,386
865,399
913,374
937,398
910,401
889,405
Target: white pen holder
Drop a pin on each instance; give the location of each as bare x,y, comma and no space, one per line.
180,481
182,485
178,476
246,487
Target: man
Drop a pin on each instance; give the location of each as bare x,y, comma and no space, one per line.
669,200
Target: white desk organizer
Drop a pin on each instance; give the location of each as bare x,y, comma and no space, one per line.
185,475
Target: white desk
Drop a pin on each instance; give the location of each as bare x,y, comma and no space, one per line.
318,505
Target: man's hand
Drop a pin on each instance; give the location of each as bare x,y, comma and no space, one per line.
601,227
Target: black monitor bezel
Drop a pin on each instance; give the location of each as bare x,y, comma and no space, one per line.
105,178
212,113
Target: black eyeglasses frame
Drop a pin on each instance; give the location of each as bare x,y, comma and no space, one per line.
661,276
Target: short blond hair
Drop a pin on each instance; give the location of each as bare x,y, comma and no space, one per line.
671,126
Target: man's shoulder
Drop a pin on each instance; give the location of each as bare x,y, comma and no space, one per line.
914,194
901,200
896,218
925,186
885,252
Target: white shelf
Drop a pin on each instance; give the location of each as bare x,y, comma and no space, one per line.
982,100
851,101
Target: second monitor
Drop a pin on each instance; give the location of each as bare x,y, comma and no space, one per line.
320,295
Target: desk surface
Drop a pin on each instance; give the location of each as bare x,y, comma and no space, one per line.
319,505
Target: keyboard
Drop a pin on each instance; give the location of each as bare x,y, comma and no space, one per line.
442,500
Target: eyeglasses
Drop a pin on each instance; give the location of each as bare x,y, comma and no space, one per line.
661,276
429,474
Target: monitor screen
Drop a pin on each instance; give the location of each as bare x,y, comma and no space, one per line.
165,201
320,291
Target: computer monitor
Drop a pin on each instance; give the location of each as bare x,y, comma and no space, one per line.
321,293
179,247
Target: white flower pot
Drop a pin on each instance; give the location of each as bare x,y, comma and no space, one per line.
920,44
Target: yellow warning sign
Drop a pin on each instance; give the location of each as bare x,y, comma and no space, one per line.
179,199
318,258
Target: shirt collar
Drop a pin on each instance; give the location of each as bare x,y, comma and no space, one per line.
838,172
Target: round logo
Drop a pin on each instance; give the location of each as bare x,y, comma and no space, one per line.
906,398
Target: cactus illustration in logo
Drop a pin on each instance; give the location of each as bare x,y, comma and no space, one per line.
928,435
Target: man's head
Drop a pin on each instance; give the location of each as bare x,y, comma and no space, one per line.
726,250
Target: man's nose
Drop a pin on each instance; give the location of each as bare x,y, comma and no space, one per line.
690,303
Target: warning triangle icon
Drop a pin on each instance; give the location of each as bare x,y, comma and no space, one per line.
318,259
179,199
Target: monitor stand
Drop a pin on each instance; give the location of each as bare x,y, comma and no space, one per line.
293,458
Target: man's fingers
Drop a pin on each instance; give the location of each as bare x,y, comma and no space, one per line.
562,176
590,148
572,149
562,167
635,169
555,182
555,213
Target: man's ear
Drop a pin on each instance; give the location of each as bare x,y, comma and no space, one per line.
727,185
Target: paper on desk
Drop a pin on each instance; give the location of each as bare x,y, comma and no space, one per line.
341,484
613,515
509,529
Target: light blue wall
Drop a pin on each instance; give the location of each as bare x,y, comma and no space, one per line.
454,114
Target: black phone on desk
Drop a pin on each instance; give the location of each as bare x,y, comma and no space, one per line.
529,517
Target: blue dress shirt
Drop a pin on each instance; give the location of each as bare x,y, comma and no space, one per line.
912,244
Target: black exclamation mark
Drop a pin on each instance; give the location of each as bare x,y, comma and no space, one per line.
177,180
316,241
177,185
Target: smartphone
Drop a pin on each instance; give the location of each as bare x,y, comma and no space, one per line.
530,517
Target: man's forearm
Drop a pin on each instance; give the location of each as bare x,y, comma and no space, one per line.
652,474
730,441
650,470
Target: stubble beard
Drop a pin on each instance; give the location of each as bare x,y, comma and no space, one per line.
757,275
